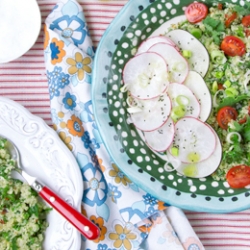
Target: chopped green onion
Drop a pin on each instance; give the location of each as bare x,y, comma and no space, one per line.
190,170
214,86
124,88
182,100
231,92
218,56
196,32
178,112
227,84
187,53
174,151
133,110
218,74
232,134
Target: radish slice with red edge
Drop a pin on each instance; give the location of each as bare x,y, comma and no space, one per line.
147,44
176,63
199,60
154,113
181,96
145,76
161,138
197,85
194,141
203,168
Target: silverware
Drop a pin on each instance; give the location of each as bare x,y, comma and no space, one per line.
78,220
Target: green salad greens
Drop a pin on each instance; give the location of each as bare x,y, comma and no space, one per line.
228,81
22,214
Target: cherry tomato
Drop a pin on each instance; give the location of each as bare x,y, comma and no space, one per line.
246,21
233,46
225,115
238,176
220,6
247,32
195,12
230,19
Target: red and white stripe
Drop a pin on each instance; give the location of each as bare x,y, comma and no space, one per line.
24,81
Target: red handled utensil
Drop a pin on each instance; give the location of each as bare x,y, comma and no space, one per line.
78,220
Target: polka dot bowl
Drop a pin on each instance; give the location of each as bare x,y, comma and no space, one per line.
135,22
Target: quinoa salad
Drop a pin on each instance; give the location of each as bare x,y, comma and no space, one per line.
228,81
22,214
188,92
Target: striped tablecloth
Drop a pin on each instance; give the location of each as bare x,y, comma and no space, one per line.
24,81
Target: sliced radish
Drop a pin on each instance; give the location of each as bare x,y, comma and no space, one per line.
164,28
194,140
197,85
145,75
176,63
161,138
181,96
204,168
154,113
147,44
199,60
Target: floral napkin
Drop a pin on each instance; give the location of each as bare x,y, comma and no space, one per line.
128,217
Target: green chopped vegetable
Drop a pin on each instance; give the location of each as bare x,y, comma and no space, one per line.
22,214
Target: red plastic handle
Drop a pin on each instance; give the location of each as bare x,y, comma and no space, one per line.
84,225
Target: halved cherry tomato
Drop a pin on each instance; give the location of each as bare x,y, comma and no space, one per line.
233,46
225,115
246,21
220,6
247,32
195,12
230,19
238,176
220,86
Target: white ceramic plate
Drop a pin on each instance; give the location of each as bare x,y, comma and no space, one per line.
46,157
19,28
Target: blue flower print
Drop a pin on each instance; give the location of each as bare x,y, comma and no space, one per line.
155,216
53,86
150,211
86,140
54,116
69,101
103,247
63,80
71,28
150,200
193,247
95,187
56,72
56,80
54,51
114,193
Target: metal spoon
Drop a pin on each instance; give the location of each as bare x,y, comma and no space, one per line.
78,220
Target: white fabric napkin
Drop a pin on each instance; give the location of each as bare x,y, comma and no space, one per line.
128,217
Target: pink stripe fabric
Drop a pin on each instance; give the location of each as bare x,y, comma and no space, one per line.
24,81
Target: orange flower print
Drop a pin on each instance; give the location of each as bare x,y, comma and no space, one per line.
122,236
75,126
100,161
66,139
162,205
100,223
119,175
57,51
79,65
46,37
